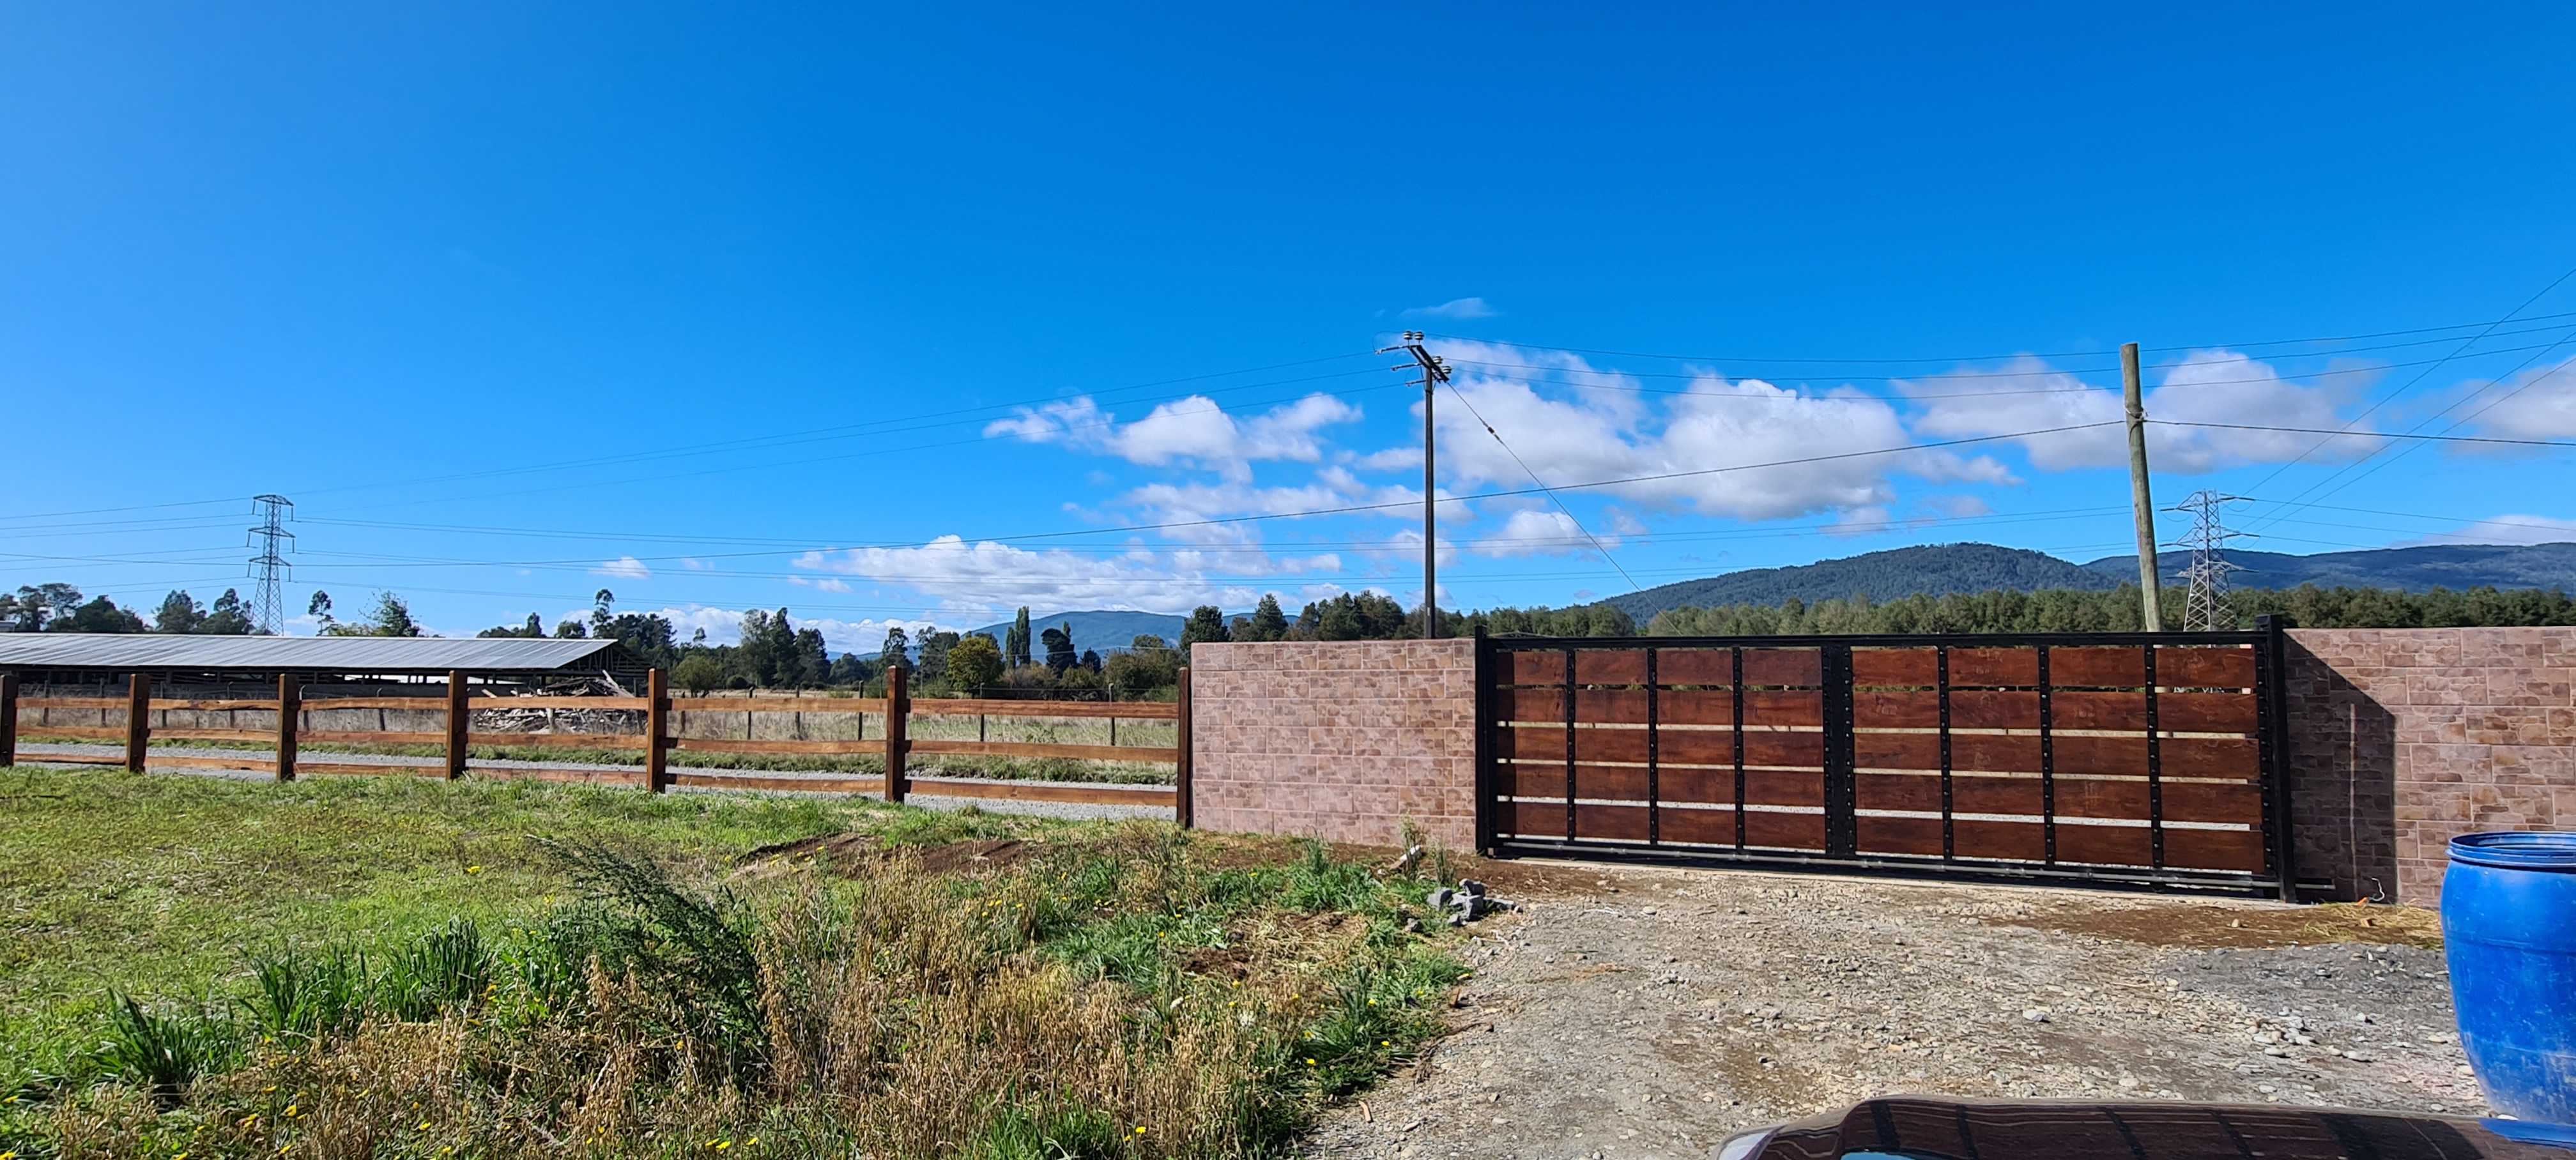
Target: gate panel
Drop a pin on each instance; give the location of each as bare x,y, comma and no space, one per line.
2104,759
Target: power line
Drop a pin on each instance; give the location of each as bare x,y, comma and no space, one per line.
2409,384
2034,374
1551,495
2333,433
1711,358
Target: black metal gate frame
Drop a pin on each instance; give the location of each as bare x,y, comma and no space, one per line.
2268,641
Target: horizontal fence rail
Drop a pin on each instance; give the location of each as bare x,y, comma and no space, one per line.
2100,758
649,731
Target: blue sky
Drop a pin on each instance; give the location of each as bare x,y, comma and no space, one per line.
726,308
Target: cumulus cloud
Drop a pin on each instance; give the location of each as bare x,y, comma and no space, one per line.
1458,308
1537,532
2540,404
1571,423
623,567
979,576
1194,431
2212,386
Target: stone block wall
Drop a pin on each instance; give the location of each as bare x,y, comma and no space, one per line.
2402,739
1343,740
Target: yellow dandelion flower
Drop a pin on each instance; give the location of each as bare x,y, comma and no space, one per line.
290,1109
753,1142
473,869
1372,1002
1384,1043
1140,1129
247,1121
1310,1063
424,1125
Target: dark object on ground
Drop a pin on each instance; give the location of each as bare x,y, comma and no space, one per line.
1924,1128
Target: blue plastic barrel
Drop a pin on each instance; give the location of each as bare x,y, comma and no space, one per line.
2509,932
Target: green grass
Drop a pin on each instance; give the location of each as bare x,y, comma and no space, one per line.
396,966
158,884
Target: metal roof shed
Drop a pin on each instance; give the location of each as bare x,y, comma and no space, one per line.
85,658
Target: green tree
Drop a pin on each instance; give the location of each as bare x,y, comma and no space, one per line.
390,616
699,673
813,658
179,612
1015,649
40,603
100,614
570,630
897,650
935,647
1147,665
319,608
1060,654
1269,622
1206,626
228,616
974,662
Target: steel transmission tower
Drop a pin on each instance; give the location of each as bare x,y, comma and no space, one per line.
2207,608
269,567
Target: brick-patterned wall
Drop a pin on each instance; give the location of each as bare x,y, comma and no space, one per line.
1344,741
2402,739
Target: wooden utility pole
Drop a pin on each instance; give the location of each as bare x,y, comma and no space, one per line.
1435,371
898,733
2150,586
8,719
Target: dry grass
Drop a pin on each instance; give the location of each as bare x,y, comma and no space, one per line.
1118,991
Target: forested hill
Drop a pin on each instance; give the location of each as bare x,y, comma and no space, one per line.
1949,569
2452,566
1936,570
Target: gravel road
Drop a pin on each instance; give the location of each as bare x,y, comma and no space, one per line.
1656,1011
632,774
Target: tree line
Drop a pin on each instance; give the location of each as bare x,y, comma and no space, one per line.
63,608
1044,661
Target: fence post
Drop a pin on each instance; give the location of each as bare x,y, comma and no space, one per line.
460,721
290,705
138,721
898,706
657,708
2272,730
8,718
1181,803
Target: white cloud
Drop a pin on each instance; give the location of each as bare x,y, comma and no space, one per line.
2214,386
1460,308
695,565
1575,426
1958,507
2538,405
626,567
1391,459
827,584
1192,432
980,576
2504,529
1537,532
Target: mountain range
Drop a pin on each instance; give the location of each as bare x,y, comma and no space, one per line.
1945,569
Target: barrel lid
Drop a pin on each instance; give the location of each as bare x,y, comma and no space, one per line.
2517,850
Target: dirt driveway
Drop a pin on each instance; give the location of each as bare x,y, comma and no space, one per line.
1650,1013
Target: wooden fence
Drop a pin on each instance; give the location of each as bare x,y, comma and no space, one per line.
652,744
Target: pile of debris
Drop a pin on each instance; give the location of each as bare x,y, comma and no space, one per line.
1466,904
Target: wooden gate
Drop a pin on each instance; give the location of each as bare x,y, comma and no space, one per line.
2100,759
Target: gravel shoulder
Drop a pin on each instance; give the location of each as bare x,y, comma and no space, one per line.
1649,1013
35,755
